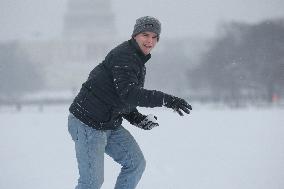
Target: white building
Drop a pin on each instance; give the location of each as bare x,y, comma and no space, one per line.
88,34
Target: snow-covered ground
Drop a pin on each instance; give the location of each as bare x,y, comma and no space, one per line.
210,149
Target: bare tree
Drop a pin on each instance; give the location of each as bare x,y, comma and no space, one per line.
17,73
247,60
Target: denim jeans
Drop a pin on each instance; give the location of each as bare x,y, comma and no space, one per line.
90,146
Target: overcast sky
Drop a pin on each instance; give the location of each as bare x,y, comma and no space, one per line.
43,18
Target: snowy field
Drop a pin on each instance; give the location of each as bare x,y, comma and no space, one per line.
210,149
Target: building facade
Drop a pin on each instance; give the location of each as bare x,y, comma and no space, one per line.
88,34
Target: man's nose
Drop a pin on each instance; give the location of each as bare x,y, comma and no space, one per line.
150,40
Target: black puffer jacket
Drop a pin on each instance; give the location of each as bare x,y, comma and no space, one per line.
115,88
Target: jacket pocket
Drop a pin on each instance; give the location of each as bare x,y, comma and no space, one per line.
97,109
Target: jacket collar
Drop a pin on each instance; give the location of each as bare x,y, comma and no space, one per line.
135,45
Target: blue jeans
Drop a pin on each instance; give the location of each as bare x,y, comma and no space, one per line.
90,146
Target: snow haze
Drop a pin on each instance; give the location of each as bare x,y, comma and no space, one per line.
211,148
180,18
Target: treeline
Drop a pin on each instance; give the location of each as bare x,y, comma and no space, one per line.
244,64
18,74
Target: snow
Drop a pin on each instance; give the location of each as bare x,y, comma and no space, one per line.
210,148
151,118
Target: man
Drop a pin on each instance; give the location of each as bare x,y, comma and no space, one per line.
113,91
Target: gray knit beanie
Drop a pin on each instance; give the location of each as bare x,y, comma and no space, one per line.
147,23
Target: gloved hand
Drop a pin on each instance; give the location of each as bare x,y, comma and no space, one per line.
177,104
148,123
140,120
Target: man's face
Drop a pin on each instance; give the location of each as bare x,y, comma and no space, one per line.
146,41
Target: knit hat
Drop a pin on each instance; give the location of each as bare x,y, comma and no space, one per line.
147,23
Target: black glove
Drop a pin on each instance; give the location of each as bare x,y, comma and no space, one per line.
177,104
140,120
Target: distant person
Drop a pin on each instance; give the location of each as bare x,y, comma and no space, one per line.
112,92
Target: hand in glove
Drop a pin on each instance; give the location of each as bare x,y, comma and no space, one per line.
140,120
148,123
177,104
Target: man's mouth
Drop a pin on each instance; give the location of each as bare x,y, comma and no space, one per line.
147,46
